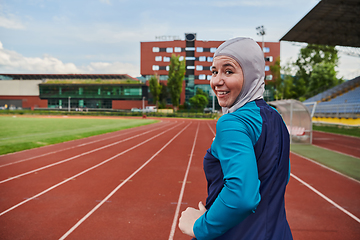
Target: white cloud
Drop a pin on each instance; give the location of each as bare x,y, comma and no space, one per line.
13,62
11,22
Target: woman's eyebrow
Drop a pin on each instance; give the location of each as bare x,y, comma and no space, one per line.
228,65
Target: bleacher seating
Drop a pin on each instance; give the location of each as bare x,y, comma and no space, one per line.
340,101
335,91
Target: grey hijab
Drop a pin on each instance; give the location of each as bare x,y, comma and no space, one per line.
251,59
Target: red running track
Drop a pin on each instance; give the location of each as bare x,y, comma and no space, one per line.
133,184
336,142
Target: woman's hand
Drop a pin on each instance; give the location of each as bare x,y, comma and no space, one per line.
189,217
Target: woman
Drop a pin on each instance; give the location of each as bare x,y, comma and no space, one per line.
247,166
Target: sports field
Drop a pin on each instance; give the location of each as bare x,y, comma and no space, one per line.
21,133
134,183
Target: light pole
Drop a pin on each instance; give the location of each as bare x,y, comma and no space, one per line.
261,31
69,104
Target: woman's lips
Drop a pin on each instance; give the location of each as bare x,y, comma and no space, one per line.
222,93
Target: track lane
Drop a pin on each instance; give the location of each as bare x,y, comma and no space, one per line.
335,142
38,183
80,192
141,207
148,200
311,216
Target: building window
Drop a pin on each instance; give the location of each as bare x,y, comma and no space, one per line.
190,58
166,59
190,49
266,49
169,50
202,59
202,76
213,49
156,49
267,68
181,58
199,49
167,68
158,58
155,67
177,49
199,68
208,77
209,59
269,59
190,67
268,77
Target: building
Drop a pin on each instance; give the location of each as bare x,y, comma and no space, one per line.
110,91
198,54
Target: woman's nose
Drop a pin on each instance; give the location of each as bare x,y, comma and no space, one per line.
217,80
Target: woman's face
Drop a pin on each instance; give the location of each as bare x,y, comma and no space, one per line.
227,80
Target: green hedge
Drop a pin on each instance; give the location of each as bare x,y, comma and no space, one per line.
109,112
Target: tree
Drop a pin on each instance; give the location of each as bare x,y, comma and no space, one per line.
175,79
200,100
322,77
315,57
163,95
155,88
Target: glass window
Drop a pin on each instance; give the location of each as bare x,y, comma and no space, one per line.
202,59
266,49
269,59
213,49
268,77
166,59
181,58
156,49
199,49
209,59
208,77
190,67
190,58
167,68
267,68
190,49
158,58
202,77
169,49
177,49
155,67
199,68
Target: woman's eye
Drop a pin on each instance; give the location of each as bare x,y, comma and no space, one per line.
228,72
214,72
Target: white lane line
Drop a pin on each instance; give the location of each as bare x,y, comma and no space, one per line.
64,149
176,216
72,158
119,186
211,129
327,199
346,154
330,169
85,171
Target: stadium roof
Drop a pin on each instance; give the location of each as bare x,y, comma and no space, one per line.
330,22
4,76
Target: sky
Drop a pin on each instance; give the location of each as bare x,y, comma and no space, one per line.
103,36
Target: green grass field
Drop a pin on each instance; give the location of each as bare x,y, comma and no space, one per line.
347,165
20,133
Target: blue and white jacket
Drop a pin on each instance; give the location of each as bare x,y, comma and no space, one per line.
247,169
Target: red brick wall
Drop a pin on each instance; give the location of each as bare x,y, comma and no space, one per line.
28,101
127,104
